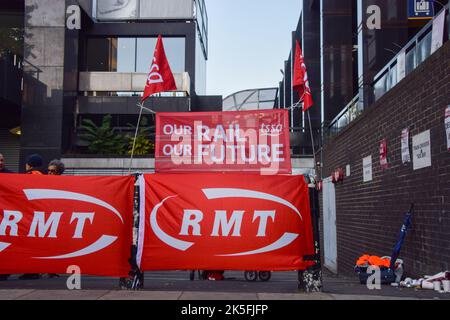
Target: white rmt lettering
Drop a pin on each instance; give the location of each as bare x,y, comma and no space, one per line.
234,223
43,226
81,221
263,216
10,220
191,218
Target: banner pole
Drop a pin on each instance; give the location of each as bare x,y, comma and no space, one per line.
141,107
312,142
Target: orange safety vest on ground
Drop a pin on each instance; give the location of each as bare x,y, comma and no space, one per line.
367,260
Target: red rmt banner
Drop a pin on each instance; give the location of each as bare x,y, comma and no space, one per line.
242,141
48,223
224,222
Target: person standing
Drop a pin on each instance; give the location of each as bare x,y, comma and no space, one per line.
55,168
33,164
2,165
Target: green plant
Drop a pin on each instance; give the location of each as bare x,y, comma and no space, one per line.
102,139
143,144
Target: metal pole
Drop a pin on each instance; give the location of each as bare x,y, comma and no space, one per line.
141,107
312,142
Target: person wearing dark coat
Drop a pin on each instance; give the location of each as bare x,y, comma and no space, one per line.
33,164
2,165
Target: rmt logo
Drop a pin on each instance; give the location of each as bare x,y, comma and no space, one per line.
226,223
45,225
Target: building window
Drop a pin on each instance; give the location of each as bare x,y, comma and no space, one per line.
102,54
132,54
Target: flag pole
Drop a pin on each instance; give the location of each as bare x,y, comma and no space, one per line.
312,142
141,107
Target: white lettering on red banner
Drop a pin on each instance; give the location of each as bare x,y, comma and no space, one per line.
249,141
49,223
225,222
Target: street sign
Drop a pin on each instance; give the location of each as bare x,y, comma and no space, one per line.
420,9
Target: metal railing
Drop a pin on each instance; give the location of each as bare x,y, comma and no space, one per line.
416,51
351,111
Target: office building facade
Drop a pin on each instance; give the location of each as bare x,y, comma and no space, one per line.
87,59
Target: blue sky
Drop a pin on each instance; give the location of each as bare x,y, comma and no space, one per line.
248,43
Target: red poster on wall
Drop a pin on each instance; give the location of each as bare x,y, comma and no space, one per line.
244,141
383,155
224,222
48,223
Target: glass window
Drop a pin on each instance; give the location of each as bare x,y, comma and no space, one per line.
102,54
126,55
424,48
267,95
410,60
132,54
392,77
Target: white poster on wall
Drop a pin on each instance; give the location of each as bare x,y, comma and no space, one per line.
367,169
347,170
406,155
437,36
422,150
447,126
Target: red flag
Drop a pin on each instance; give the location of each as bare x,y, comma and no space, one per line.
300,81
160,77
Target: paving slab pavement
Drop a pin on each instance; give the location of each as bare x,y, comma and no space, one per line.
13,294
178,295
294,296
63,295
142,295
219,296
176,286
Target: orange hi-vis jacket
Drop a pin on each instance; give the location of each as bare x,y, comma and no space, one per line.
367,260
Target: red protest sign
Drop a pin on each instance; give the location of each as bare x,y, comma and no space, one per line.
48,223
247,141
224,222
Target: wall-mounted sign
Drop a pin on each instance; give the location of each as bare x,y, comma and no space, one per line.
422,150
406,156
367,169
347,170
447,126
437,35
420,9
383,155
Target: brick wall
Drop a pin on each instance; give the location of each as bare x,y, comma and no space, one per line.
369,215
